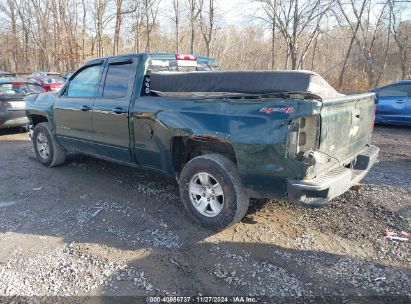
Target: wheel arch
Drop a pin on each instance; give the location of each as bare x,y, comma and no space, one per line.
35,119
185,148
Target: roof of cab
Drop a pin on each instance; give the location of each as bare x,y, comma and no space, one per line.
391,83
154,55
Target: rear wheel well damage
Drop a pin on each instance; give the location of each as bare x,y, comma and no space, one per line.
185,149
36,119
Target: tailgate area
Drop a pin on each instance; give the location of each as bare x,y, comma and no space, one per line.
346,128
317,191
346,125
346,155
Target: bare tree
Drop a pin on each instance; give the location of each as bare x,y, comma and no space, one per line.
121,11
387,45
402,36
269,17
25,21
42,15
100,18
10,10
137,27
354,29
296,20
369,43
194,10
207,23
149,15
83,29
176,19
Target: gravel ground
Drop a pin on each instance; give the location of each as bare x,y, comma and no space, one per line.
95,228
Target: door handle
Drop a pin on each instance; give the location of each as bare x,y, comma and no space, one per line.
400,101
119,110
85,108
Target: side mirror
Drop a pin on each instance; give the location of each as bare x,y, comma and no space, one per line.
63,90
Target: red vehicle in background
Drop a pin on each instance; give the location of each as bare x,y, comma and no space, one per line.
50,83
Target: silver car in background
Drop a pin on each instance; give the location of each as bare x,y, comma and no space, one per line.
12,105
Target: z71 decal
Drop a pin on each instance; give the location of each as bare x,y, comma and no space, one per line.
281,110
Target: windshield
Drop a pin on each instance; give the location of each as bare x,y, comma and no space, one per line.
15,89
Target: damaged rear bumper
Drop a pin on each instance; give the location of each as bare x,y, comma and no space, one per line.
317,191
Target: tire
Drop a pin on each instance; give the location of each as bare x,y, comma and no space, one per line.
220,210
48,151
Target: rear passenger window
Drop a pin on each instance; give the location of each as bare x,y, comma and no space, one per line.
117,80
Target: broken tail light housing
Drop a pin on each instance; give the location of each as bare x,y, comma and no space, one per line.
303,136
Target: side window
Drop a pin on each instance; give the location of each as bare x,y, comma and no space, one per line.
396,90
117,80
85,84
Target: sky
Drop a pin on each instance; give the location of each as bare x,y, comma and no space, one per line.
239,11
235,11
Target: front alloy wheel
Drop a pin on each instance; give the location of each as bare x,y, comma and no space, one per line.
47,149
43,145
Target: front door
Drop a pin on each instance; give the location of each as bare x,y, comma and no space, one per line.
408,109
73,108
111,109
393,103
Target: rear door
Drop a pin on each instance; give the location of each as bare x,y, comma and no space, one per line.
393,102
73,108
111,109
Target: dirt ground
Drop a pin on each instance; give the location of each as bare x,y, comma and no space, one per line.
95,228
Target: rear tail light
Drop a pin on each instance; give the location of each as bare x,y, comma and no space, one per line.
303,136
186,57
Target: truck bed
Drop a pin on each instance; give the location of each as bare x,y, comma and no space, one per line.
217,83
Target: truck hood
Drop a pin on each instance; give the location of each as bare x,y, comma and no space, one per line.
40,99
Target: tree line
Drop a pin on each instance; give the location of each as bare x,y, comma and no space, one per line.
354,44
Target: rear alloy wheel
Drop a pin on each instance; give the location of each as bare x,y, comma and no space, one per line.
212,192
47,149
206,194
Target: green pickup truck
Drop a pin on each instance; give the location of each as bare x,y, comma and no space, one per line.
225,136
